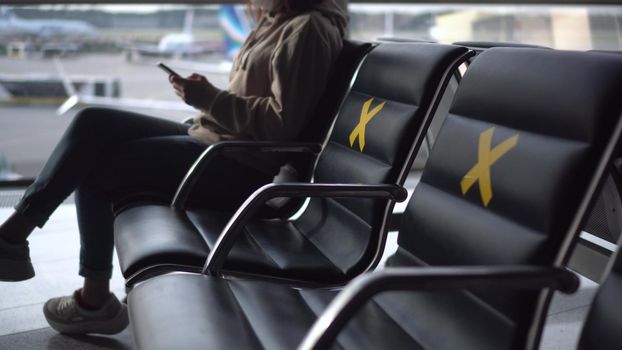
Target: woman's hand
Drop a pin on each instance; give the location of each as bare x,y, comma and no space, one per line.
193,90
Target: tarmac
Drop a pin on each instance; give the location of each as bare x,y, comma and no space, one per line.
28,132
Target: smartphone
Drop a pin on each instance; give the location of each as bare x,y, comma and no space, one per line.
168,70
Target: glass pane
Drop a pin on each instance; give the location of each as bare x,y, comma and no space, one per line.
105,55
560,27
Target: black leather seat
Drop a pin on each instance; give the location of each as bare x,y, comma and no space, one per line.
301,164
486,230
602,328
605,219
374,139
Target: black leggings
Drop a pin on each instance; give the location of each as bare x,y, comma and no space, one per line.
107,156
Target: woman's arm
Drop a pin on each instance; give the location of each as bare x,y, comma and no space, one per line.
299,67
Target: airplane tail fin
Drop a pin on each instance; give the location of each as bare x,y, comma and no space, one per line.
235,26
188,21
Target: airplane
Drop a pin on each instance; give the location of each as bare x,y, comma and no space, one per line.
236,27
233,22
11,26
26,38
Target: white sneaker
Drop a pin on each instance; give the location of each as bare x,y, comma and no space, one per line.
66,316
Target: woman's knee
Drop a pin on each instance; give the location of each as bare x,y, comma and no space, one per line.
87,119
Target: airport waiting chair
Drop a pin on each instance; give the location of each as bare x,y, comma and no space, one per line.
603,325
379,128
482,244
297,167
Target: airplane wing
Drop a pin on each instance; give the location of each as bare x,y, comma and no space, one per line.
223,67
76,100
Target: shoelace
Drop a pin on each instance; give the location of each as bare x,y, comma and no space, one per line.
66,305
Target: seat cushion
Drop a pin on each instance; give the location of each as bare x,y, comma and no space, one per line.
157,235
149,235
184,311
191,311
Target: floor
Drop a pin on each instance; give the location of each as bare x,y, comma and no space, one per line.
54,251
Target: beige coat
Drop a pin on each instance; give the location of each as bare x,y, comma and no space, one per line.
276,79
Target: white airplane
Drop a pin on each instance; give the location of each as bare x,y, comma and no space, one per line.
235,26
233,22
12,25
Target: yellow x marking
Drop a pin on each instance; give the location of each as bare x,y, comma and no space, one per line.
486,158
366,117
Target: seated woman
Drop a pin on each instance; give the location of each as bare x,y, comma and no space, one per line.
276,80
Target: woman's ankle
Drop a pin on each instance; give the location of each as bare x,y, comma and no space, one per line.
86,303
94,294
16,228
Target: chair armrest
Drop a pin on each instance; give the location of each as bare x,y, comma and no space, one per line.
356,294
249,208
193,174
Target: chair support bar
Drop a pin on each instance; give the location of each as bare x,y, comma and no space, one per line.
195,171
249,208
353,297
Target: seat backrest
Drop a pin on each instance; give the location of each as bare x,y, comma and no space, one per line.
378,130
299,167
480,46
603,325
348,62
477,47
511,174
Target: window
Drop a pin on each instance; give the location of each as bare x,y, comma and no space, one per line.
107,54
104,55
560,27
